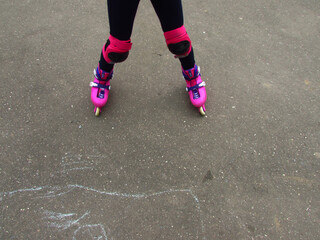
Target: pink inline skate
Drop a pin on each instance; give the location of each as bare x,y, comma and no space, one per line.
100,88
196,88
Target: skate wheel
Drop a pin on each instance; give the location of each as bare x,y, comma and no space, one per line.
202,110
96,111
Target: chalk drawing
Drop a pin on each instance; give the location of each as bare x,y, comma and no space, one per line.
93,231
62,221
82,223
76,162
53,194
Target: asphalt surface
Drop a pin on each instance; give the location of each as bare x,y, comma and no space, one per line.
150,167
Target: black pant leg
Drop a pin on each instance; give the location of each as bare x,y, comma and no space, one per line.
121,17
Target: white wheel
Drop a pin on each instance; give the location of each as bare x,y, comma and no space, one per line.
97,111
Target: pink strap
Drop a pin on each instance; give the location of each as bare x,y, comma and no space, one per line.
176,35
117,46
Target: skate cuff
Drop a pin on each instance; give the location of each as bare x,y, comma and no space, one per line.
102,75
192,73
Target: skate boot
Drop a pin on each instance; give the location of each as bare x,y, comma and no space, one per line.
100,89
196,88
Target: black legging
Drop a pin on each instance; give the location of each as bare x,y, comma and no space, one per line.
121,18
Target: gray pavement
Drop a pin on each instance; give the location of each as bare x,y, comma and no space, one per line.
150,167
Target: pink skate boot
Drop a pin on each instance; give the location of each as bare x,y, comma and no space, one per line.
196,88
100,89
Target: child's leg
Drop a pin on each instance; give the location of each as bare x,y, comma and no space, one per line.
121,18
116,49
170,14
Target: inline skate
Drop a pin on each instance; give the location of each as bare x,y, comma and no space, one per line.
100,88
196,88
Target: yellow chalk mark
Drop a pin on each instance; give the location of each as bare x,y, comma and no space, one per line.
277,224
298,179
267,85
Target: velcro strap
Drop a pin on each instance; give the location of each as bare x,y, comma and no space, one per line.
197,86
178,35
99,85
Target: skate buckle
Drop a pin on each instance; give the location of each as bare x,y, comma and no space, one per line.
202,84
95,73
93,84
